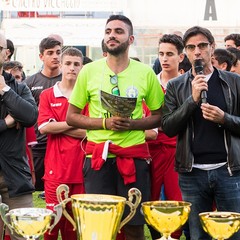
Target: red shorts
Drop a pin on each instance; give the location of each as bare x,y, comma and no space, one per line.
63,226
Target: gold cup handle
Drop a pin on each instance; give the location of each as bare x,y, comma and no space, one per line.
134,199
56,217
63,190
5,216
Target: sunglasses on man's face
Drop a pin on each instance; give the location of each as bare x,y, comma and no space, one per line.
192,47
114,81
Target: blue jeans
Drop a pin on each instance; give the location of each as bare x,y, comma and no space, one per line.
203,188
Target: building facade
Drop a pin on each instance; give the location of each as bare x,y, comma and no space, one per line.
81,23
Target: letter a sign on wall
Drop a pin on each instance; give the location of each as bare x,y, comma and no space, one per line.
210,11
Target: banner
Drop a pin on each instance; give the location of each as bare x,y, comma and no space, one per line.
61,5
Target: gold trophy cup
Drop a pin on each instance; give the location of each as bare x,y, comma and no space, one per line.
29,223
220,225
166,216
98,216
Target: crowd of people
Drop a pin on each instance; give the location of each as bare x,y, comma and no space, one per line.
181,142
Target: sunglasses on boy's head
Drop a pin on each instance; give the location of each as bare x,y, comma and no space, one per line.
114,81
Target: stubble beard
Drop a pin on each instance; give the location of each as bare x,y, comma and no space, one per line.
119,49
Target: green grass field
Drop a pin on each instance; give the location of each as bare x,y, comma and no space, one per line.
41,204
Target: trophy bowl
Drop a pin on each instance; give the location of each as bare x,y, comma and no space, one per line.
220,225
166,216
29,223
98,216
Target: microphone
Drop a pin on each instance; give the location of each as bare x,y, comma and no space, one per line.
198,67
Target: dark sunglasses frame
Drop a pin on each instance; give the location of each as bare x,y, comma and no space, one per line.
114,81
201,46
1,48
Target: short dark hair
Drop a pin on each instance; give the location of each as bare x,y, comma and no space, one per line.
193,31
48,43
173,39
86,60
12,65
122,18
235,37
10,46
157,66
136,59
72,51
104,49
236,53
185,64
224,56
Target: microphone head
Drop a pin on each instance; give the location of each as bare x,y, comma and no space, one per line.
198,66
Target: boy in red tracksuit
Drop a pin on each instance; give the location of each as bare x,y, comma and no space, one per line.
65,144
163,149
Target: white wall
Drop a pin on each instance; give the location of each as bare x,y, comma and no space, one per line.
177,13
150,18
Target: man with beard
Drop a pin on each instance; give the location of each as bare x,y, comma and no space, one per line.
127,160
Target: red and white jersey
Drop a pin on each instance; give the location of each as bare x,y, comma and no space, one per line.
162,138
64,155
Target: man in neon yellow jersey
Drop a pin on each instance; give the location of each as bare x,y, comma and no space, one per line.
126,164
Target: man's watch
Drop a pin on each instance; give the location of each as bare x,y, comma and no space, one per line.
5,89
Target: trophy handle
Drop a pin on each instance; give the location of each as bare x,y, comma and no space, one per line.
3,212
63,190
56,216
132,193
